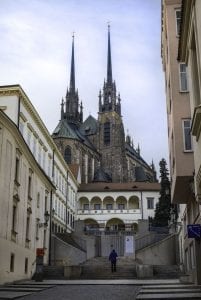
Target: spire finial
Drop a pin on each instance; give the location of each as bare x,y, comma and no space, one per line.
109,60
72,73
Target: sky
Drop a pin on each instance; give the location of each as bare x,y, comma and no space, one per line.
35,52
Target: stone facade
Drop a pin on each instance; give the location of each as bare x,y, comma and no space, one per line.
99,145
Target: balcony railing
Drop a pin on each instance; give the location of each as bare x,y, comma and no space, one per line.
108,211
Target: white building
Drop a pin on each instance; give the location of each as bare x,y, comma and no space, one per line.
34,180
116,206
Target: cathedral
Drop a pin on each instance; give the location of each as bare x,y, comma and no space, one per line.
97,147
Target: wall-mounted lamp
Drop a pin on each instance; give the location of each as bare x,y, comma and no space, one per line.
47,217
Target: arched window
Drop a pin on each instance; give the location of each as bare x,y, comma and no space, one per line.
67,155
107,133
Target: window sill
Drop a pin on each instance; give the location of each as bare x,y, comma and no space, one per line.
184,92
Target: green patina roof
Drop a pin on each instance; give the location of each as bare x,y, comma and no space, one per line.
64,130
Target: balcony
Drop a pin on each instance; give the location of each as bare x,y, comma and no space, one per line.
108,211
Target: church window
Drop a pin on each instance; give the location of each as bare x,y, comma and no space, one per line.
67,155
107,133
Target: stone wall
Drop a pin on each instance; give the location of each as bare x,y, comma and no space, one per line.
161,253
65,254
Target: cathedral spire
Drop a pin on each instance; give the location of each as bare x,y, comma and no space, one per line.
72,73
109,60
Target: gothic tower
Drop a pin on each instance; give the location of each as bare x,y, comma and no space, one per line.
111,129
73,113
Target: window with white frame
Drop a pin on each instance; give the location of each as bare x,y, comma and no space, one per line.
21,126
150,203
178,21
183,77
187,139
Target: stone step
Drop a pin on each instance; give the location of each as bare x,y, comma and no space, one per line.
174,291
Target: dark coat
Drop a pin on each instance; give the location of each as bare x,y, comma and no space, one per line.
113,256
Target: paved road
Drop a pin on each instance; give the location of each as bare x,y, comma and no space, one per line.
87,292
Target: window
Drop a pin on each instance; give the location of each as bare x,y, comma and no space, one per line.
34,146
107,133
14,218
29,187
187,135
86,206
37,229
97,206
150,203
12,262
27,227
21,126
109,206
67,155
29,138
121,206
183,77
17,165
38,200
178,21
26,265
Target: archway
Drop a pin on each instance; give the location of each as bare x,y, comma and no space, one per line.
134,202
115,224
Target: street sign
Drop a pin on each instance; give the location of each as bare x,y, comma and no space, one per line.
194,231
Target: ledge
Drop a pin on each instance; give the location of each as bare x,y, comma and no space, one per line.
196,122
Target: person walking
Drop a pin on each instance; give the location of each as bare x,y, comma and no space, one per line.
113,258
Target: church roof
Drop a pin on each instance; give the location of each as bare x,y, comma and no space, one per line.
64,130
70,130
133,153
120,186
89,126
101,176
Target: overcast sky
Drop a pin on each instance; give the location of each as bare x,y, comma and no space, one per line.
36,37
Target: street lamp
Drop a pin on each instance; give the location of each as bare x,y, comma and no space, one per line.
46,217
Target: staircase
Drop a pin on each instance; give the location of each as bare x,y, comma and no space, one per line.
100,268
167,272
53,272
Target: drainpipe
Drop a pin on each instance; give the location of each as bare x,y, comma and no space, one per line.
50,238
18,113
142,205
67,200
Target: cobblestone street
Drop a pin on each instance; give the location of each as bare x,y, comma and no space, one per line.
87,292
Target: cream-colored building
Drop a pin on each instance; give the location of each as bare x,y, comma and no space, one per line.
22,215
116,206
190,53
181,148
35,181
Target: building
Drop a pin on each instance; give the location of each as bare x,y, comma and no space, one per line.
116,207
189,52
179,115
96,145
36,183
